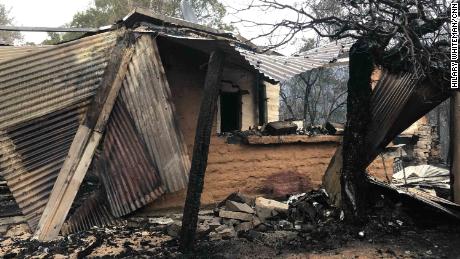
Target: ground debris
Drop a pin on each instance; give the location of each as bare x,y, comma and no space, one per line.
310,227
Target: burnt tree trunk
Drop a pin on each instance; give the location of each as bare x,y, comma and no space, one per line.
201,149
353,178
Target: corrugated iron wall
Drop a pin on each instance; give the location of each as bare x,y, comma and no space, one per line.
43,97
147,96
130,177
387,101
142,154
93,212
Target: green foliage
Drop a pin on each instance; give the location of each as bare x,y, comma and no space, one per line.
105,12
5,19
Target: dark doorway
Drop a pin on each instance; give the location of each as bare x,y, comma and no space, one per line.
230,111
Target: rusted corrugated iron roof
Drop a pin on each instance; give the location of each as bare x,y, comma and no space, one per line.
129,177
12,52
143,154
398,101
32,154
147,97
283,68
275,68
93,212
43,98
49,80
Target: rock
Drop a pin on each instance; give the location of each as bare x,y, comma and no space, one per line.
222,232
244,227
235,215
213,223
202,218
205,212
237,197
261,228
256,221
238,207
161,221
231,222
202,230
174,229
266,208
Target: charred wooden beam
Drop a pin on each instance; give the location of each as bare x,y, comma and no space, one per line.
85,142
200,149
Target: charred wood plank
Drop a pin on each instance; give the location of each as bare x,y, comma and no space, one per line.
200,150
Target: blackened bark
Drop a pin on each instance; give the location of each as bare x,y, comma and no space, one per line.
200,150
353,178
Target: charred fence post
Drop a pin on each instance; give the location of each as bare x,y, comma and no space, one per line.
353,178
201,149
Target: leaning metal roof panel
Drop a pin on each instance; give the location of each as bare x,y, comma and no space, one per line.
11,52
43,97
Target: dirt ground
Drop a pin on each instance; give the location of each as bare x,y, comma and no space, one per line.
151,241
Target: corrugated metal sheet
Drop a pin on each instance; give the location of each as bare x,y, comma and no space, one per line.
397,101
147,96
282,68
43,97
47,81
93,212
32,154
276,68
11,52
388,98
130,178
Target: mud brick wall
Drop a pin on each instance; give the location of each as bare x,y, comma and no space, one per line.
272,171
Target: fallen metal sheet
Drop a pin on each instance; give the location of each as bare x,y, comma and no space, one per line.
129,177
43,97
423,175
147,97
93,212
398,100
438,204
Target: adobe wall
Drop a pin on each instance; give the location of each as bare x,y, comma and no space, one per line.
272,171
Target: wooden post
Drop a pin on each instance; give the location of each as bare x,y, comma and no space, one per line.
200,150
85,142
455,142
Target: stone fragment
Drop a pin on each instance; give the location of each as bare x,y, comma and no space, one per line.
222,232
238,207
266,208
244,227
235,215
174,229
161,221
